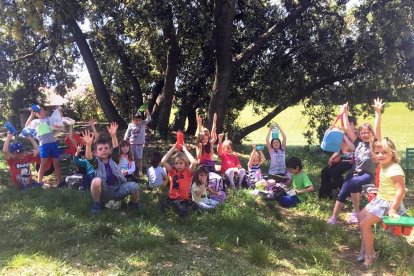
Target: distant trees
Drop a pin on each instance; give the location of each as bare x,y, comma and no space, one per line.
213,55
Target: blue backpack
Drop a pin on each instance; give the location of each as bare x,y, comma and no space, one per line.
332,140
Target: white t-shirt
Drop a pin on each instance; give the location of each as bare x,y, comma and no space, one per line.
156,176
43,129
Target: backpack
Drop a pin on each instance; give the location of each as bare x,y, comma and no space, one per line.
216,183
332,140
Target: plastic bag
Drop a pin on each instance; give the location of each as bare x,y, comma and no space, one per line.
68,121
56,120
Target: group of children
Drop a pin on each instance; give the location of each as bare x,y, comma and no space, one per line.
197,183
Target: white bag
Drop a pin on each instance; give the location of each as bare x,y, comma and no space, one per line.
56,121
68,121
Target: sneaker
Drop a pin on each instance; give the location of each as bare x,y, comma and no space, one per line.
354,218
96,208
331,221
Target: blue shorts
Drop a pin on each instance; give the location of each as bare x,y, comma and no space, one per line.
49,150
119,192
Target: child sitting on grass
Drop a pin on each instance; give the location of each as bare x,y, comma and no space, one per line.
301,183
19,162
230,164
157,177
109,183
180,179
200,187
254,174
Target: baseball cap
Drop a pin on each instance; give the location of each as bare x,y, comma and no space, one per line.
15,147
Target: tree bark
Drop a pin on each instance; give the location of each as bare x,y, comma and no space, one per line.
223,19
102,94
162,108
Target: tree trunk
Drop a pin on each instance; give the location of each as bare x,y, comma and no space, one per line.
97,81
223,19
162,108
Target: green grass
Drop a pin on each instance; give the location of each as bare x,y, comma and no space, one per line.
46,232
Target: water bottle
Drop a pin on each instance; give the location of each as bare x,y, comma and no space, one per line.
143,107
10,128
35,108
180,140
275,132
27,132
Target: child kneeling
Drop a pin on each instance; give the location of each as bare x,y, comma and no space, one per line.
300,181
109,183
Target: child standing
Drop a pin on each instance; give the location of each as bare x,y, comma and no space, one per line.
126,161
180,179
300,182
19,162
205,141
48,145
199,189
389,199
109,183
135,134
157,177
276,149
254,173
230,164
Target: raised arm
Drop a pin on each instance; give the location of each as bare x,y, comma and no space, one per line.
70,135
30,119
147,116
350,145
36,149
199,124
193,162
214,129
378,104
92,124
87,138
350,132
6,145
112,128
268,140
164,160
262,157
283,136
250,163
220,144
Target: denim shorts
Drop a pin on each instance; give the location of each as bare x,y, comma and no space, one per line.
49,150
119,192
380,207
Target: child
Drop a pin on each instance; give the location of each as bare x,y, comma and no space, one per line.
48,145
126,161
109,183
230,164
389,199
74,139
199,189
300,182
84,167
180,179
205,141
135,134
254,173
19,161
363,170
276,149
157,177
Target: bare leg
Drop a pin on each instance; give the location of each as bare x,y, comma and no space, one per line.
56,165
365,226
96,189
355,197
337,209
42,168
139,166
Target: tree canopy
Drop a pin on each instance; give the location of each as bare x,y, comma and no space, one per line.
213,55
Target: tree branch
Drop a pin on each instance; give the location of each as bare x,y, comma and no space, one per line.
256,46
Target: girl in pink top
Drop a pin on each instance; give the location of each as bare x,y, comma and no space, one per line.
205,142
230,164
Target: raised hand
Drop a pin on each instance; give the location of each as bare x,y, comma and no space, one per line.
215,118
78,148
221,136
378,104
92,122
112,128
87,137
199,120
344,108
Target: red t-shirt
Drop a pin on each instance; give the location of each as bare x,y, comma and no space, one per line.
228,161
71,147
180,184
21,174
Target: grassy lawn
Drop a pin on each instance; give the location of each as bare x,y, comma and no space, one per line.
51,231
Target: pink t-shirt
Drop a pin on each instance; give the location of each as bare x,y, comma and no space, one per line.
228,161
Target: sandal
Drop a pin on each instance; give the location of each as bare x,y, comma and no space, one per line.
370,260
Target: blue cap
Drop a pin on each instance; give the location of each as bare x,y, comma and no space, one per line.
15,147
